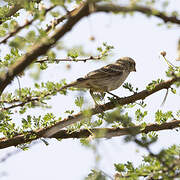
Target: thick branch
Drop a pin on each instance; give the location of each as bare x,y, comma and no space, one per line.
141,9
42,47
121,101
97,132
56,132
113,132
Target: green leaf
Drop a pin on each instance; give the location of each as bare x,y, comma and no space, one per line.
95,175
37,85
85,142
69,112
79,101
173,90
73,53
140,115
15,51
43,66
119,167
2,32
161,117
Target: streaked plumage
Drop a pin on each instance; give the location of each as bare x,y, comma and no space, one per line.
107,78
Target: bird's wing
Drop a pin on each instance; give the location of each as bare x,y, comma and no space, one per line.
109,70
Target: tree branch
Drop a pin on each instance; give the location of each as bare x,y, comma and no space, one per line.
70,59
56,132
41,48
73,17
101,108
135,8
14,9
11,34
97,132
113,132
11,12
21,104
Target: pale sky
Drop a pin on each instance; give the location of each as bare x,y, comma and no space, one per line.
138,37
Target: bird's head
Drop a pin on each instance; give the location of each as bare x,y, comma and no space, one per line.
128,63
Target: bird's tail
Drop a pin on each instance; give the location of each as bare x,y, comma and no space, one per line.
73,84
78,84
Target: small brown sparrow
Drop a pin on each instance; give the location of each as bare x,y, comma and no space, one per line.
102,80
107,78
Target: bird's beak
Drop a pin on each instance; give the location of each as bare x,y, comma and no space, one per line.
134,69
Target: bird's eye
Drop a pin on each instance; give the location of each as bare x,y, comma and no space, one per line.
132,64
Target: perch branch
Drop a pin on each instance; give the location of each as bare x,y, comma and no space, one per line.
55,131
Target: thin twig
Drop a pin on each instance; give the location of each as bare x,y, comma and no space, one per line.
19,84
69,59
11,34
165,97
21,104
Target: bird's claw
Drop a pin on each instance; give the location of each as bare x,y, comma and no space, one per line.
99,108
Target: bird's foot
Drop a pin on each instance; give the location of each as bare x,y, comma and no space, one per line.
99,109
117,97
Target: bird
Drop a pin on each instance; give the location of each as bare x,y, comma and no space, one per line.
105,79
